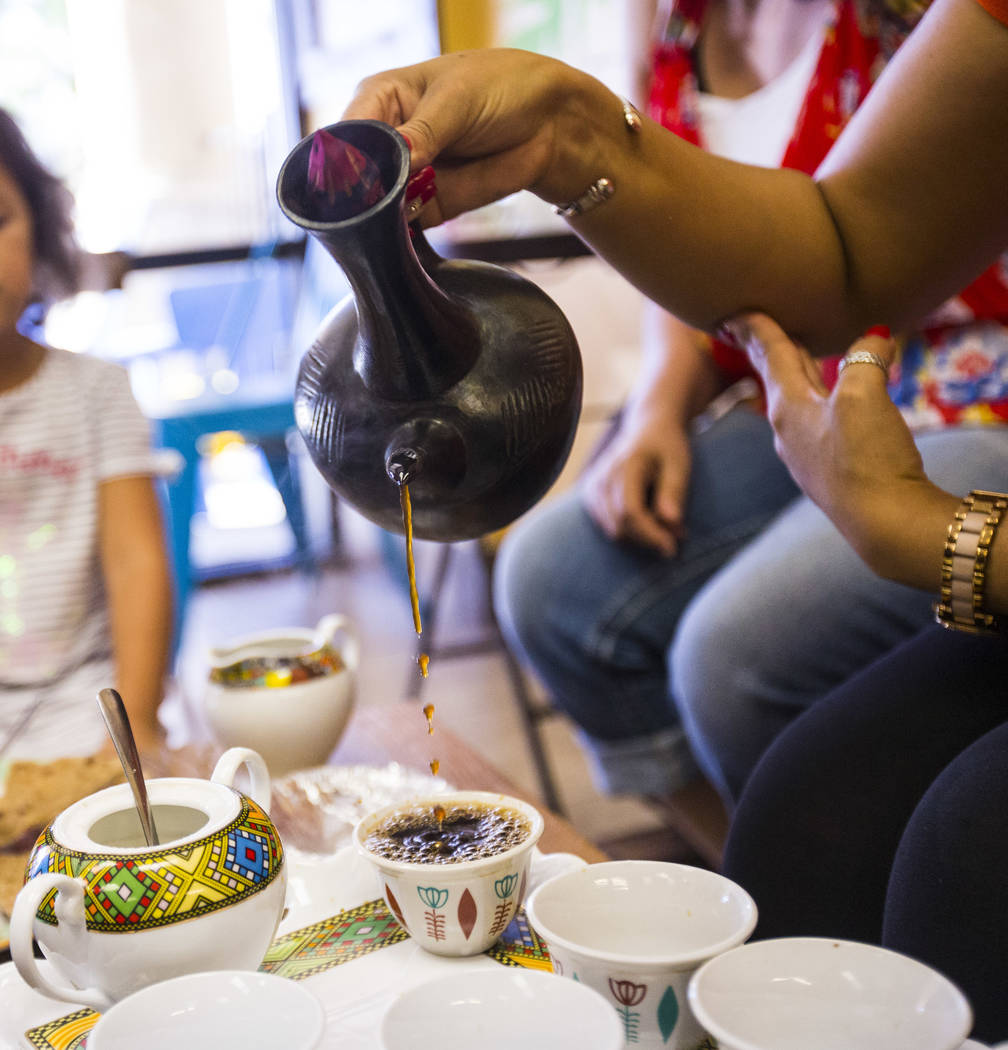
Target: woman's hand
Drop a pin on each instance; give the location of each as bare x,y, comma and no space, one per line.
490,121
636,488
851,451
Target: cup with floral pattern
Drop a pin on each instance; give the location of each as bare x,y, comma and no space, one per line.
453,868
636,931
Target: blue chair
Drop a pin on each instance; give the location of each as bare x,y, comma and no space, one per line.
246,319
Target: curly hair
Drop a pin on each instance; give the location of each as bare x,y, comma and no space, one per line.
57,254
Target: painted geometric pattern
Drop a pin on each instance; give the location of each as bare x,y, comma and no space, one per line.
520,945
171,885
65,1033
333,941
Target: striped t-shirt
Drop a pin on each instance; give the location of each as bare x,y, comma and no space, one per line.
73,425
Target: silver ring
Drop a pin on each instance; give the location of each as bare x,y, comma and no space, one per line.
862,357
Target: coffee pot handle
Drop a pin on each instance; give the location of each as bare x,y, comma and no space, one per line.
232,760
70,932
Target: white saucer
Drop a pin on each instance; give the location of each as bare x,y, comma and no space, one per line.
240,1008
499,1010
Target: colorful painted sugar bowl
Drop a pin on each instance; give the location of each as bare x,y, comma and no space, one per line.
113,915
453,868
286,693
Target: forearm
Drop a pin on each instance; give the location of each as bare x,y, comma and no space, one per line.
141,632
702,236
902,537
905,211
678,377
908,206
138,590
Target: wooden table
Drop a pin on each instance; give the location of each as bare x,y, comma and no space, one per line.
383,733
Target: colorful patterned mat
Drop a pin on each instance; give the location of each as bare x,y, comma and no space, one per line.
313,950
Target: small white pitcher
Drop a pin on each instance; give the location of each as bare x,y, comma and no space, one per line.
113,915
292,724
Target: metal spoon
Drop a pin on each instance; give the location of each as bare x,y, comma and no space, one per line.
113,710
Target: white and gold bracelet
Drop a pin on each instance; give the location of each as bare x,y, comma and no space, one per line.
964,567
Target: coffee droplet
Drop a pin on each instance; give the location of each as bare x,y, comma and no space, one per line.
439,814
435,765
424,661
429,715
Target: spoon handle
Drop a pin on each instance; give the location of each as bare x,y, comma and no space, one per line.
113,710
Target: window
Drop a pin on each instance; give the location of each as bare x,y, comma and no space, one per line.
168,119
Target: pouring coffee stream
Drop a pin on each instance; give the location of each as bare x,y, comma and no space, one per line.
423,658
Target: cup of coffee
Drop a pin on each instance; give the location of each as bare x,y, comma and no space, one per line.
452,868
636,931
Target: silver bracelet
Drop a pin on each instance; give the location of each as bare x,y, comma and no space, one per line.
597,193
601,189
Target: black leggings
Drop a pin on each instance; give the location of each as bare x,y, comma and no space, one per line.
881,815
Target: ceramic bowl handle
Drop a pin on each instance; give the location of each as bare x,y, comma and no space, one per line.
232,760
326,630
71,932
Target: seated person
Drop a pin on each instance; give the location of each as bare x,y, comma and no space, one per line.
85,593
686,601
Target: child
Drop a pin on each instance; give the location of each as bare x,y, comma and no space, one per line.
85,592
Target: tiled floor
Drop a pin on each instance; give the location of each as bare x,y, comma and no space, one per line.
471,693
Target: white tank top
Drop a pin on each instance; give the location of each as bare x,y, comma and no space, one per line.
756,129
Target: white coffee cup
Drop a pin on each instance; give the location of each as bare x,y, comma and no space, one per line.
791,993
636,931
458,907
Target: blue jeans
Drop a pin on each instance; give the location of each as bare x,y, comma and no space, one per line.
666,664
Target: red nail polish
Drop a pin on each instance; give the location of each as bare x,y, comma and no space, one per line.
880,330
419,181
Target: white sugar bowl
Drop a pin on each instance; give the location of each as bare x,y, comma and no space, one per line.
114,915
286,693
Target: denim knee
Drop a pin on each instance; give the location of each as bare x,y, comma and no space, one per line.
520,588
701,669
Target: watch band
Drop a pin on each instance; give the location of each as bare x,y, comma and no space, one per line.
964,566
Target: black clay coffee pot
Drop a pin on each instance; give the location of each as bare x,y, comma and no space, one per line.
461,379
